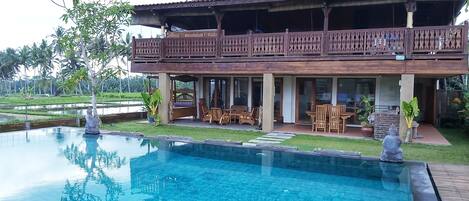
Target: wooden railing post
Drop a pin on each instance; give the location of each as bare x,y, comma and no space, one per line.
286,43
250,45
464,39
408,42
134,48
218,43
325,39
162,48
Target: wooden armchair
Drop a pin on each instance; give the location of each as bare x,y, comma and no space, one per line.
334,119
206,115
220,117
236,111
320,121
248,117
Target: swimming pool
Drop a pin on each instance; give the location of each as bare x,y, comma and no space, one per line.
63,164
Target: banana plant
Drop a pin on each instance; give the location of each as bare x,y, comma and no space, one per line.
152,102
411,111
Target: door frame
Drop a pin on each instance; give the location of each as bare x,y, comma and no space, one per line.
297,96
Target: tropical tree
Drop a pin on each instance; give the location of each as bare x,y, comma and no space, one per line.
8,66
24,60
8,63
125,53
70,64
90,22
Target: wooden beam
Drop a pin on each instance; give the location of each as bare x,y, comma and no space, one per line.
370,67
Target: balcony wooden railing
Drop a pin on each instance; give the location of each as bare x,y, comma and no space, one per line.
414,42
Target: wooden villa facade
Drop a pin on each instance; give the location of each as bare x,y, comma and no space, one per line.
289,55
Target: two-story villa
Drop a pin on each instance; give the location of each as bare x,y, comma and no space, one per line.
290,55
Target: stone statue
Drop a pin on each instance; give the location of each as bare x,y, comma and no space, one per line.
390,175
392,151
92,123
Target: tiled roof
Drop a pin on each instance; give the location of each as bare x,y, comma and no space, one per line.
198,3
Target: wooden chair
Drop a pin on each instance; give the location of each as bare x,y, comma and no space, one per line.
220,117
206,115
320,120
236,111
343,109
334,119
248,117
328,106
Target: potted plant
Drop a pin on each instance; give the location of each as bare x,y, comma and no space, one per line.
365,117
151,103
410,110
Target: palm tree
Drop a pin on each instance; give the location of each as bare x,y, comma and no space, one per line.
34,56
8,65
44,56
24,57
126,53
56,45
70,64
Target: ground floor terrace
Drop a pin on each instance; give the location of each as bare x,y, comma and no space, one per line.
287,103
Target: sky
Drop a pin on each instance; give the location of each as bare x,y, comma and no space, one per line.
26,21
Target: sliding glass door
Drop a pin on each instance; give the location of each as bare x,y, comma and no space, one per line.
311,92
350,90
218,92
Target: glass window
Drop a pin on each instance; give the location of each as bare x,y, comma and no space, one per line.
312,92
241,87
350,90
218,95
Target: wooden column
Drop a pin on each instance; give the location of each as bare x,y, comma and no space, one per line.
268,102
219,18
250,92
325,38
164,83
411,7
163,25
406,94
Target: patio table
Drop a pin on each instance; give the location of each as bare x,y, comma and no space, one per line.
232,114
344,116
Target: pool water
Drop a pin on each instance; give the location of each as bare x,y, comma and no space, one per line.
63,164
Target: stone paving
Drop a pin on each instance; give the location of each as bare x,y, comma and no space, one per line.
270,138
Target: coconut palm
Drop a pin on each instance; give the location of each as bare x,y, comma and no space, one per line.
44,56
70,64
126,52
8,66
24,60
8,63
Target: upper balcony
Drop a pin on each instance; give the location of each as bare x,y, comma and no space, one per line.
420,43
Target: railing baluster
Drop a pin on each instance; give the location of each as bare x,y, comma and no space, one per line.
250,45
428,41
286,42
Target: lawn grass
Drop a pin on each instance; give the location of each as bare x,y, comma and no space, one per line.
195,133
457,153
44,100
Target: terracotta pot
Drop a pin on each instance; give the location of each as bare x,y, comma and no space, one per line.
367,131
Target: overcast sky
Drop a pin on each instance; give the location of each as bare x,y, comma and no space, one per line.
26,21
